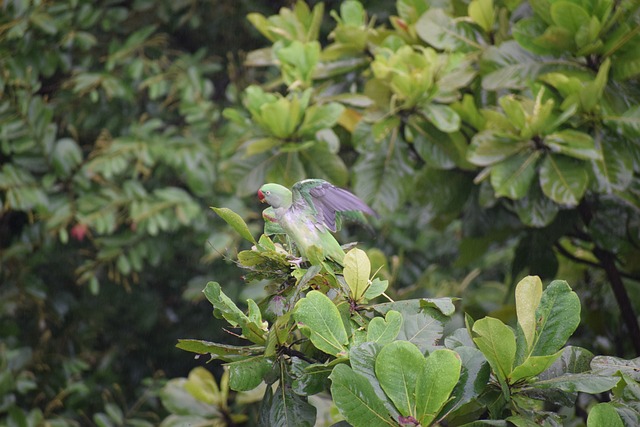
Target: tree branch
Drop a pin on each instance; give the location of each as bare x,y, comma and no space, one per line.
627,312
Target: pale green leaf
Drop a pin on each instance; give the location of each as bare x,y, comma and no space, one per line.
318,313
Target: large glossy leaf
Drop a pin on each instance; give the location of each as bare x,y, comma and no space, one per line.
563,180
362,359
604,415
609,365
498,344
356,400
398,367
614,171
442,117
322,317
319,117
489,147
573,360
442,32
422,326
569,16
284,408
474,377
512,177
573,143
628,123
509,67
248,374
558,316
381,175
532,366
435,383
320,162
584,382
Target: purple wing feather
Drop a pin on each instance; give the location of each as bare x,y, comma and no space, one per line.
327,200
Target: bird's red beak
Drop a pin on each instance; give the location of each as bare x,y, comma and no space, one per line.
261,196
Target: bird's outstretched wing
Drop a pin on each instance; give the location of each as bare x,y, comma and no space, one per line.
328,203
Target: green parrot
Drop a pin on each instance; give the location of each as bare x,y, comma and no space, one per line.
309,212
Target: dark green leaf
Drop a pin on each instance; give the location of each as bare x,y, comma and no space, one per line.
563,180
249,373
225,352
558,316
286,409
356,400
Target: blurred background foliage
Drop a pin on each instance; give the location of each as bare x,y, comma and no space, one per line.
122,122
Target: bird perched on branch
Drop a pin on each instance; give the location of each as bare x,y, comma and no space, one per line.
310,211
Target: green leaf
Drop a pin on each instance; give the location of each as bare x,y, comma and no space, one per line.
513,67
574,144
236,222
284,408
357,270
317,312
66,156
444,33
584,382
435,383
609,365
383,331
512,177
381,176
362,359
628,123
532,366
482,13
319,117
202,385
398,366
442,117
558,316
614,170
376,288
604,415
249,373
528,294
489,147
225,307
498,344
356,400
308,379
563,180
474,377
569,16
422,326
225,352
573,360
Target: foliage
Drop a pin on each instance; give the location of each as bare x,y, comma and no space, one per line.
495,138
401,362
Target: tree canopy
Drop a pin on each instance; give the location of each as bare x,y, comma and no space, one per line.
499,140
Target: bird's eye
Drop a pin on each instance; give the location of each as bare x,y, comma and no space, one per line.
267,192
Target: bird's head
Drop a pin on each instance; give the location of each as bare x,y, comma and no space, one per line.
276,195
